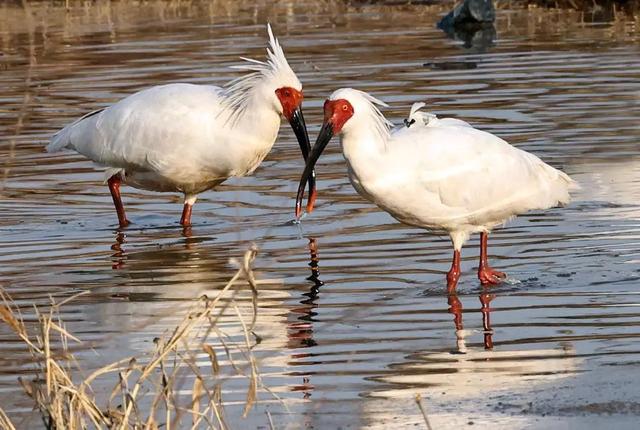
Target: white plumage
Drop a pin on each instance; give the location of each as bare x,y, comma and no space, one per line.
438,174
188,138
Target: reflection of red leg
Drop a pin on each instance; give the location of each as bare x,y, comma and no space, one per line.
455,308
119,256
486,274
114,186
185,220
485,300
454,273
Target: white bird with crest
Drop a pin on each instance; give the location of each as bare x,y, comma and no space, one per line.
439,174
189,138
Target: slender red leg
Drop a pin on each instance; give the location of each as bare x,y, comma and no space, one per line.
185,220
485,300
486,274
454,273
114,186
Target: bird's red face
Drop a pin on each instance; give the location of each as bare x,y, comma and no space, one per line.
337,113
290,99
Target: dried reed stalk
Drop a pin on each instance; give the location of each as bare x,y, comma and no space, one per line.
63,403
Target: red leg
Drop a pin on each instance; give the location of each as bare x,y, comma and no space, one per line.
114,186
454,273
185,220
486,274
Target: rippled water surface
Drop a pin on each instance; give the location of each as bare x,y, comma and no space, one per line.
354,351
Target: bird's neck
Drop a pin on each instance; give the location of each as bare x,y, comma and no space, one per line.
251,135
249,107
259,113
364,149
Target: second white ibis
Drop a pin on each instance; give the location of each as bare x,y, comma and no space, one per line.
439,174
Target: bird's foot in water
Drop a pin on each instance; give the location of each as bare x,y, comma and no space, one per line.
297,220
489,276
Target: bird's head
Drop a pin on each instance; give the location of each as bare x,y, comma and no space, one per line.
276,83
346,110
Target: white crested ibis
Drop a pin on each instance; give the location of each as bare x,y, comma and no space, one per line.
189,138
439,174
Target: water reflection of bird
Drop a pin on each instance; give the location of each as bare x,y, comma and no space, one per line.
455,308
189,138
300,330
466,375
438,174
181,268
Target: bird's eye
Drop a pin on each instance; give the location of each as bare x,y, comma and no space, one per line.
344,107
287,93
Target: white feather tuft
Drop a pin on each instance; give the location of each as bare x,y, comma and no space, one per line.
368,104
420,118
428,119
416,107
275,71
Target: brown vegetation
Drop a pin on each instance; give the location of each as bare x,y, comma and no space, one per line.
145,389
606,9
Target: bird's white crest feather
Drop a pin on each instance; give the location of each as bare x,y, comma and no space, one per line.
420,118
416,107
428,119
275,70
368,104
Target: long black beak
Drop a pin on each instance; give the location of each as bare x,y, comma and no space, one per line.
300,129
325,135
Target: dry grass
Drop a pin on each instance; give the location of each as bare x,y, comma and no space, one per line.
423,411
145,390
5,422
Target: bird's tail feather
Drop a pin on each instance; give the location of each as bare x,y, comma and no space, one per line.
62,138
562,184
59,141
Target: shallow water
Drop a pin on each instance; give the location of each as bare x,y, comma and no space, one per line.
353,351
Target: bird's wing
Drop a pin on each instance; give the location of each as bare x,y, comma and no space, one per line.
478,174
447,122
159,129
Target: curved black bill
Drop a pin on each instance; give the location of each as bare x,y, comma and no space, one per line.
325,135
300,130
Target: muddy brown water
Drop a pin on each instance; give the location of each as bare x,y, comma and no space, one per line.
354,351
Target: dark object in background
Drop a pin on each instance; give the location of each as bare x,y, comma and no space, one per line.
469,12
452,65
471,22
